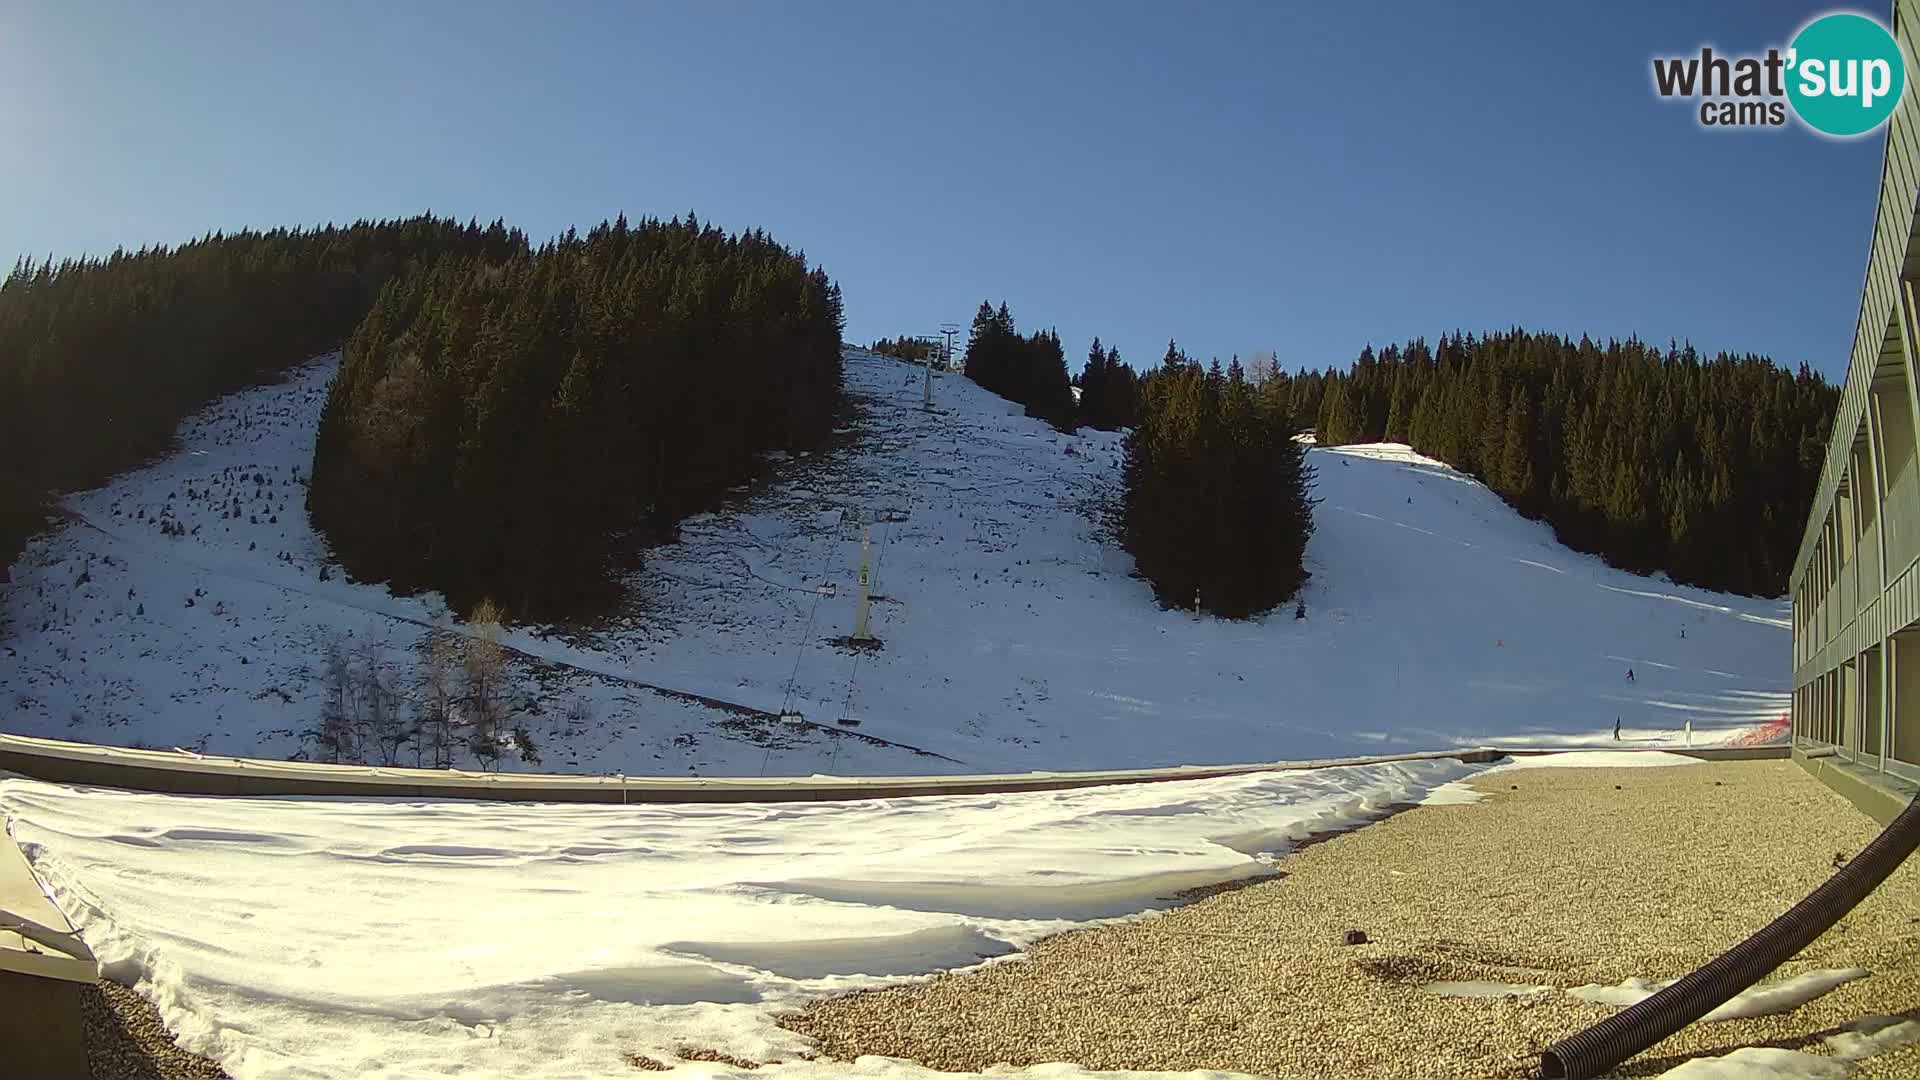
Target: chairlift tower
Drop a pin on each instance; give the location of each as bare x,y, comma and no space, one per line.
862,630
947,330
926,393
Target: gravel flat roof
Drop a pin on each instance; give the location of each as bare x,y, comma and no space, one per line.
1560,877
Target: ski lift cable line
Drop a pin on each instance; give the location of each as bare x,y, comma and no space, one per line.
800,646
846,705
879,560
853,672
799,651
786,703
786,699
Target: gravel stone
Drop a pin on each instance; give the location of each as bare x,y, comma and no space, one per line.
1560,881
127,1041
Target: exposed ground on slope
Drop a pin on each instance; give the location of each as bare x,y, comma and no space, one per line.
126,1040
1560,877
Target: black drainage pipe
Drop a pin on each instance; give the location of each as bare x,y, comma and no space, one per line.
1633,1029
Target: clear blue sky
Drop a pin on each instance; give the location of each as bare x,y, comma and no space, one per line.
1300,177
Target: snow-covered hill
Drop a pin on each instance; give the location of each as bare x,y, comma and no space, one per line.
1014,636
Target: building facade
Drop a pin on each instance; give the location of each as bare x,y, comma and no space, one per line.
1855,584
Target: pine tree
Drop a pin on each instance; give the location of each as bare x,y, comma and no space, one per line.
524,426
1030,370
1515,471
1399,407
1095,403
1123,392
100,358
1216,492
1338,424
1049,393
1566,430
1174,360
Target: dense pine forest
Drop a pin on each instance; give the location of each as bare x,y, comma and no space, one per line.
1109,390
1217,507
652,364
1030,370
903,348
1656,460
519,428
100,358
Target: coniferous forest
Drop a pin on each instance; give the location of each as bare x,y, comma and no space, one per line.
1217,506
1030,370
100,358
903,348
1109,390
1656,460
652,364
519,428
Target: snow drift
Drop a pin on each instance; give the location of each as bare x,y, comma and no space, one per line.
299,937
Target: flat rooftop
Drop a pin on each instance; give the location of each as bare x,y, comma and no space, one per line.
1560,878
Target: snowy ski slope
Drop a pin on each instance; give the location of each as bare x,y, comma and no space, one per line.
1014,637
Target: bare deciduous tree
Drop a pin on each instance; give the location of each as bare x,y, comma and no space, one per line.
578,715
335,735
485,668
1262,366
439,657
380,721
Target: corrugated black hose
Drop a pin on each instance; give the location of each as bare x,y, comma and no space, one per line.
1633,1029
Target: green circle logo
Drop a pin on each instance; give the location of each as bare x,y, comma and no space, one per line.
1845,74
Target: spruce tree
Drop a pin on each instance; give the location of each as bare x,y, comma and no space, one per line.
1123,390
1216,493
100,358
1095,402
524,427
1567,430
